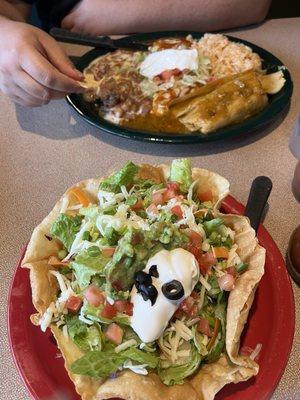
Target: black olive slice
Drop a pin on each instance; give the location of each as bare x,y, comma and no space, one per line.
153,271
173,290
148,292
142,277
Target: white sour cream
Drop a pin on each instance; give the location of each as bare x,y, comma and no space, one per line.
149,321
159,61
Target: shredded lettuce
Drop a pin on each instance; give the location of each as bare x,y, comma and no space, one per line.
181,172
65,228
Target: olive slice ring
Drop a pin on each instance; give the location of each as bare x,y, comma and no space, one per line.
173,290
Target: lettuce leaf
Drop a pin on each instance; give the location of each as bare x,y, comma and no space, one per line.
181,172
103,363
87,265
141,357
124,176
98,363
85,337
176,374
65,228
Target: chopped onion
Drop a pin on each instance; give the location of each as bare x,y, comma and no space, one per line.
226,282
256,351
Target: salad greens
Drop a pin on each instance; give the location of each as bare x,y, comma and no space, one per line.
110,242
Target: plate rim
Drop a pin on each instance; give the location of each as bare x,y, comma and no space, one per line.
255,123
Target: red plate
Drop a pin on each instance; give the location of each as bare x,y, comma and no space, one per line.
271,323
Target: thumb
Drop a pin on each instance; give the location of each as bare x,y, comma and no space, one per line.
59,59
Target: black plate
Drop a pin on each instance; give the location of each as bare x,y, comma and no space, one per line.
276,104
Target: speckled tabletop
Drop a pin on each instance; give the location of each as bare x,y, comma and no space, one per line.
42,153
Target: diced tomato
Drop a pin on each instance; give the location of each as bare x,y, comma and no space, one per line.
203,327
189,307
220,252
124,306
158,198
231,271
176,210
173,186
195,238
168,73
206,261
194,250
114,333
73,304
109,311
108,251
169,194
152,209
139,205
205,196
94,296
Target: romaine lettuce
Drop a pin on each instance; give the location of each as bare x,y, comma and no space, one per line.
181,172
87,264
124,176
176,374
65,228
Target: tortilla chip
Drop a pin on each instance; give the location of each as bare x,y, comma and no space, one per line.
211,377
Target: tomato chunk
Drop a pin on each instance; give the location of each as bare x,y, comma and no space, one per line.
203,327
124,306
158,198
109,311
194,250
74,304
176,210
205,196
206,261
195,238
139,205
94,296
114,333
189,307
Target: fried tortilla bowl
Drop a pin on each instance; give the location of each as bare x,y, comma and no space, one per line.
210,378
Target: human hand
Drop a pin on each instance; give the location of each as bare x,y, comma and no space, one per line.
33,67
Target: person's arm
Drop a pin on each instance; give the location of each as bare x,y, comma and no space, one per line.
33,67
14,10
100,17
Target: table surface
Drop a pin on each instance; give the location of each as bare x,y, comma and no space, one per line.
45,150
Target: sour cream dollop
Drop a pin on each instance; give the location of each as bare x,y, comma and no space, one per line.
149,321
159,61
